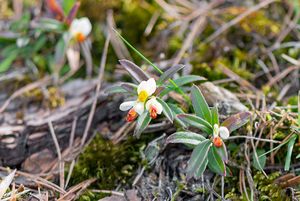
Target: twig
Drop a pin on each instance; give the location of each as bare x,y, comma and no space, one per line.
108,192
61,165
254,138
100,77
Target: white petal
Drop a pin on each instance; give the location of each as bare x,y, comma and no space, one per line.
85,25
127,105
82,25
149,104
155,103
159,107
151,86
224,132
142,86
139,107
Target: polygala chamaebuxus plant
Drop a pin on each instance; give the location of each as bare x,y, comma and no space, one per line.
209,152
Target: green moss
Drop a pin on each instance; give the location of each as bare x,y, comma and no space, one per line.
266,186
111,164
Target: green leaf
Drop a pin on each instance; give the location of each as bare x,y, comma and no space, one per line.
166,110
60,52
7,62
183,80
214,116
49,24
196,121
236,121
114,89
177,110
129,87
67,5
39,43
142,123
259,162
289,152
215,162
185,137
169,73
136,72
198,161
298,119
222,151
200,105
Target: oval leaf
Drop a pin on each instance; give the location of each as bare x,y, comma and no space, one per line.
180,82
169,73
198,161
200,105
129,87
196,121
136,72
222,151
215,162
236,121
259,162
114,89
214,116
289,152
142,123
185,137
166,110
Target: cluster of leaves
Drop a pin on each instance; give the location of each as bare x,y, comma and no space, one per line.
205,152
41,42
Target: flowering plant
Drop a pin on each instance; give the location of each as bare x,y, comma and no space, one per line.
50,38
209,151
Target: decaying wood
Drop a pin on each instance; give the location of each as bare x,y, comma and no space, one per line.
25,139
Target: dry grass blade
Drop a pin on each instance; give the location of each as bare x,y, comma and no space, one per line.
238,19
70,194
197,28
118,45
282,75
100,77
60,162
5,183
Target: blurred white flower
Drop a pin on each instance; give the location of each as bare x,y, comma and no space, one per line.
21,42
80,29
219,134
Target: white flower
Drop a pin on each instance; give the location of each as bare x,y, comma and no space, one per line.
220,133
80,28
146,89
154,107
